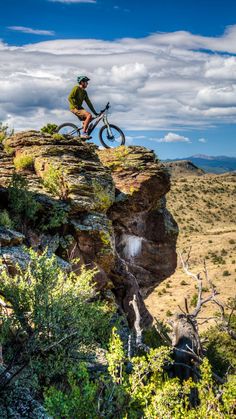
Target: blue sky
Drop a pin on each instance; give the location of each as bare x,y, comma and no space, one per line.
167,67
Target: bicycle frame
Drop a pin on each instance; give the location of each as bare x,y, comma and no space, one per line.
101,116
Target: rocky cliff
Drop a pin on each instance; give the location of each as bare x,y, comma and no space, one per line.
102,208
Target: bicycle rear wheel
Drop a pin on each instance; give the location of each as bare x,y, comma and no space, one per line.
68,129
116,138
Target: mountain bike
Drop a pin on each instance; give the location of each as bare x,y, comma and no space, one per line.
109,135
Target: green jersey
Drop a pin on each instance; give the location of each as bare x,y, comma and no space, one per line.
76,98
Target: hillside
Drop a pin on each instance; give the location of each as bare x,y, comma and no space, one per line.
211,164
205,210
183,168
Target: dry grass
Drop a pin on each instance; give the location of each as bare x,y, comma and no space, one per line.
205,209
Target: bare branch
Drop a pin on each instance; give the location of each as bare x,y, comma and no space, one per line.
137,327
186,305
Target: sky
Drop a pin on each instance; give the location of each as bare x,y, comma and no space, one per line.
168,68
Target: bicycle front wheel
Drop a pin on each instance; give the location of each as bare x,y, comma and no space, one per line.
68,129
111,139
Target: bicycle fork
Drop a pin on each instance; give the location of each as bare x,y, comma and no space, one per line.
110,135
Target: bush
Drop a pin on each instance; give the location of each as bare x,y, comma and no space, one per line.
49,128
54,182
183,282
58,136
51,323
22,203
142,391
23,162
55,217
221,349
5,220
193,301
80,400
226,273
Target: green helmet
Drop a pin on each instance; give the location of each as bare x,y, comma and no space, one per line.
82,78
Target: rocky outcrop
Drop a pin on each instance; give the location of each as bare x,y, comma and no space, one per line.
103,207
145,232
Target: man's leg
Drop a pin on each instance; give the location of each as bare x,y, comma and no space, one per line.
87,120
84,116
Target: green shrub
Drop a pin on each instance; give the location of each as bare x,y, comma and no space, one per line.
226,273
221,349
102,196
8,149
193,301
5,220
183,282
58,136
22,203
55,217
51,313
22,162
49,128
80,400
142,391
54,181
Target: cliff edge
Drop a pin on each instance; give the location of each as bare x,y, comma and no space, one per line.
102,208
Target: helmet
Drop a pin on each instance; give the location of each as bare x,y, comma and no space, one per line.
82,78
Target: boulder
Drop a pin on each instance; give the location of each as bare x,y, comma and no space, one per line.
10,237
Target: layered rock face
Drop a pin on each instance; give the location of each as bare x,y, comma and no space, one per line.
113,207
145,232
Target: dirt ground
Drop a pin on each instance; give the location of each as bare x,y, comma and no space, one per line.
205,210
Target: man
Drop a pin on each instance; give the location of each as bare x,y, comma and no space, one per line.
77,95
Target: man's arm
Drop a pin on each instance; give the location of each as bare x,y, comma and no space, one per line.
87,100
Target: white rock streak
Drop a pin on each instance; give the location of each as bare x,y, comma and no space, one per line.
133,245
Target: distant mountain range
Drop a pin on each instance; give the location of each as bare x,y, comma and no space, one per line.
216,164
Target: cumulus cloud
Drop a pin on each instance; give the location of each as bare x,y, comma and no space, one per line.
31,31
202,140
171,137
164,81
221,68
217,96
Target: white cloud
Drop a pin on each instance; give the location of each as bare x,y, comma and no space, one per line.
160,82
217,96
202,140
72,1
31,31
171,137
221,68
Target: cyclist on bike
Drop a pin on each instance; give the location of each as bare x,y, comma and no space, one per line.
76,97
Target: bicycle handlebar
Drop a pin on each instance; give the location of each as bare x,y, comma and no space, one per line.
106,107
